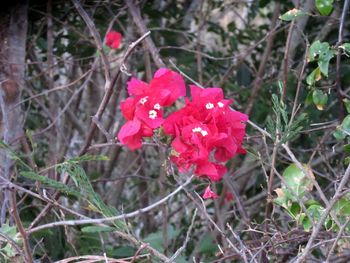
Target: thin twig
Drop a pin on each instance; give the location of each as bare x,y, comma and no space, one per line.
108,94
338,62
338,194
91,25
179,251
340,233
135,13
113,218
21,230
310,176
13,243
264,59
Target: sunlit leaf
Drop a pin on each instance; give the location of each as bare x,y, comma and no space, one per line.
314,211
343,130
296,181
319,98
346,47
323,53
291,14
324,6
282,198
342,207
313,77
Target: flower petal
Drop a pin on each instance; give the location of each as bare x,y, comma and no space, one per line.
137,87
208,193
128,108
130,134
113,39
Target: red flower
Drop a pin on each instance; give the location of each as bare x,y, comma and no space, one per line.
113,39
208,193
164,89
146,104
132,132
213,171
229,197
205,125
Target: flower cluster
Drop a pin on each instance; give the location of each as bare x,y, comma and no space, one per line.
205,133
144,108
113,39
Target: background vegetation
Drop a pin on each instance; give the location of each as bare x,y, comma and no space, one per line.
62,173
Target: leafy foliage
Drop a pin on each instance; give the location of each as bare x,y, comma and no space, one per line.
272,59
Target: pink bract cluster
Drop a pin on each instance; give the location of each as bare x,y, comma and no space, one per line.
144,108
205,133
113,39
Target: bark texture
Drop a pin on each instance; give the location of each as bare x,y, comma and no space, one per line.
12,71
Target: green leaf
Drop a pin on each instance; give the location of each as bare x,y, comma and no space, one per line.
11,232
323,53
346,148
316,49
324,6
347,105
82,182
313,77
320,99
339,135
283,198
323,62
97,229
308,99
121,252
295,209
156,239
343,129
291,15
346,47
314,211
296,181
347,160
207,245
51,183
345,125
342,207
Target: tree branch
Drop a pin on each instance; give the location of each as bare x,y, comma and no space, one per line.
135,13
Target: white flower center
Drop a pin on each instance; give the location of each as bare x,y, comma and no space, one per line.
156,106
220,104
204,133
143,100
200,130
197,129
209,106
152,114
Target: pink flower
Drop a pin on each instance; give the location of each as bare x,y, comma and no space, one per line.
213,171
113,39
144,107
164,89
208,193
204,126
229,197
132,132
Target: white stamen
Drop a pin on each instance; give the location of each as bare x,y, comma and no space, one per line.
220,104
152,114
204,133
209,106
143,100
156,106
197,129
